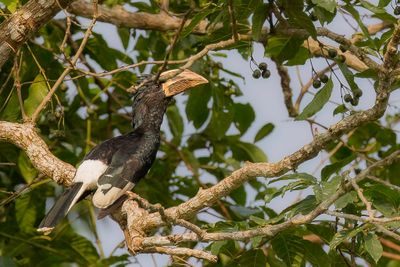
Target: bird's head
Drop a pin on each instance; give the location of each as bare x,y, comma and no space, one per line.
152,98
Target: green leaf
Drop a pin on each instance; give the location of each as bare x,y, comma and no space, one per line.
298,17
299,58
372,8
244,212
344,235
195,21
350,8
259,17
36,92
264,131
318,102
283,48
301,207
329,5
26,168
25,212
253,258
239,195
327,188
12,110
254,153
243,116
373,246
346,199
383,3
12,5
340,109
328,170
294,250
175,123
124,35
196,107
348,75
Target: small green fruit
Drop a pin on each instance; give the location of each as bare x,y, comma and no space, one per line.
256,74
266,74
357,93
316,84
347,98
332,53
313,17
263,66
397,10
341,58
324,78
354,102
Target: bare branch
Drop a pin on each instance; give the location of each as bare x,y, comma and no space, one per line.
17,28
182,252
120,17
25,137
287,90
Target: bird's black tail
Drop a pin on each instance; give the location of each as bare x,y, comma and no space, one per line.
61,207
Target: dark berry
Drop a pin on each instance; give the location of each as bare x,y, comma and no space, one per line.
354,101
332,53
256,74
266,74
324,78
343,48
357,93
313,17
397,10
347,98
263,66
316,84
341,58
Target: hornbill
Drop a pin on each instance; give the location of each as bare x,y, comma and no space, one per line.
114,166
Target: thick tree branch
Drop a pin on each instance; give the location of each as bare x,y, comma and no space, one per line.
25,137
268,230
17,28
120,17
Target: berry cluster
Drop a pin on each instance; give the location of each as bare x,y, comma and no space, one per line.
353,100
318,80
396,10
262,71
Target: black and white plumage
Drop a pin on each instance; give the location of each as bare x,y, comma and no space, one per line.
117,164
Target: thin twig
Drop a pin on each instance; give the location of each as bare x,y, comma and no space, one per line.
74,60
17,83
378,180
172,45
231,11
368,205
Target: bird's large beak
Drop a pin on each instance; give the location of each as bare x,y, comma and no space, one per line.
181,82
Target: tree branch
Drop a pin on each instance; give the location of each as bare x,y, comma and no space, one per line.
25,137
120,17
17,28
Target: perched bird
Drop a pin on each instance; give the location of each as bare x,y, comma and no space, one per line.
117,164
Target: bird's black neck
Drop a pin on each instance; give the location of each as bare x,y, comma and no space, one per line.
148,113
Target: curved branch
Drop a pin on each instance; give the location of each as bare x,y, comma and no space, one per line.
120,17
20,25
25,137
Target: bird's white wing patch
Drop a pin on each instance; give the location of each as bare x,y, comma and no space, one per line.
89,172
103,200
